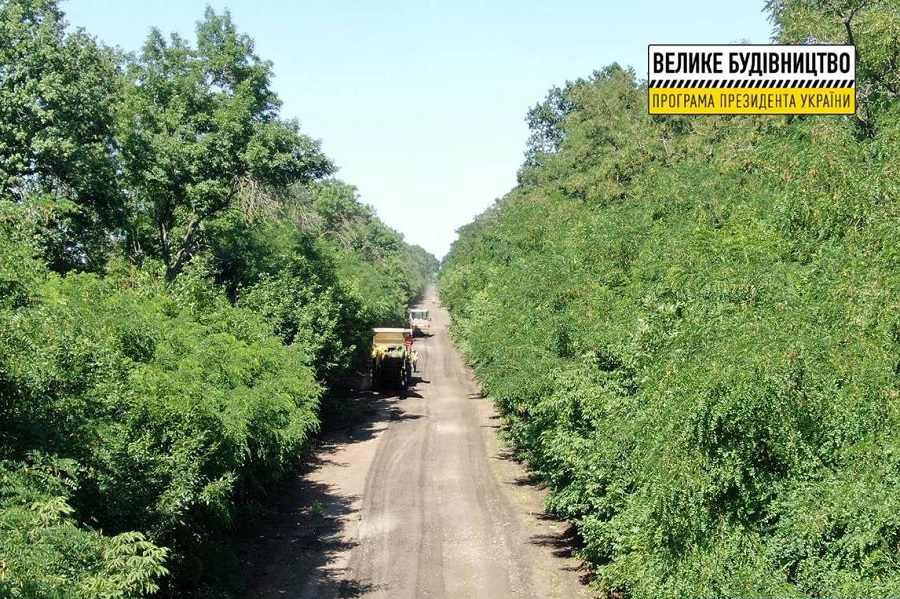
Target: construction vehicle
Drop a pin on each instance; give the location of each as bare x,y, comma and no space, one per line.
392,358
419,321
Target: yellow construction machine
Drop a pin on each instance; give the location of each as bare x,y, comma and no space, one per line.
393,358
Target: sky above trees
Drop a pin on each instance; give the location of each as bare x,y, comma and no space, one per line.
422,105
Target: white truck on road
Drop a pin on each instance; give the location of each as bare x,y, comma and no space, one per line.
419,321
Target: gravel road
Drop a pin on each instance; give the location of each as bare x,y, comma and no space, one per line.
419,502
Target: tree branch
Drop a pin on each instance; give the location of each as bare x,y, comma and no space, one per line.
181,256
187,241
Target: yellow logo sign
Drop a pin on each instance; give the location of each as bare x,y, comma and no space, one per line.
750,79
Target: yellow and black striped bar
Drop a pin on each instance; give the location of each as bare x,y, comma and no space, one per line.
751,79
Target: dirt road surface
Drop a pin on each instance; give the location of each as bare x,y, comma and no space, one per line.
422,501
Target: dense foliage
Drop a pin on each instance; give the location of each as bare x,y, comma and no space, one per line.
691,327
179,286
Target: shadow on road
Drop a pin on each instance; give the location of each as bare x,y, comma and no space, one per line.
295,541
564,544
299,535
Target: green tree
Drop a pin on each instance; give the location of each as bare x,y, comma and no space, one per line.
873,26
690,326
387,271
145,404
57,96
45,553
545,122
199,130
